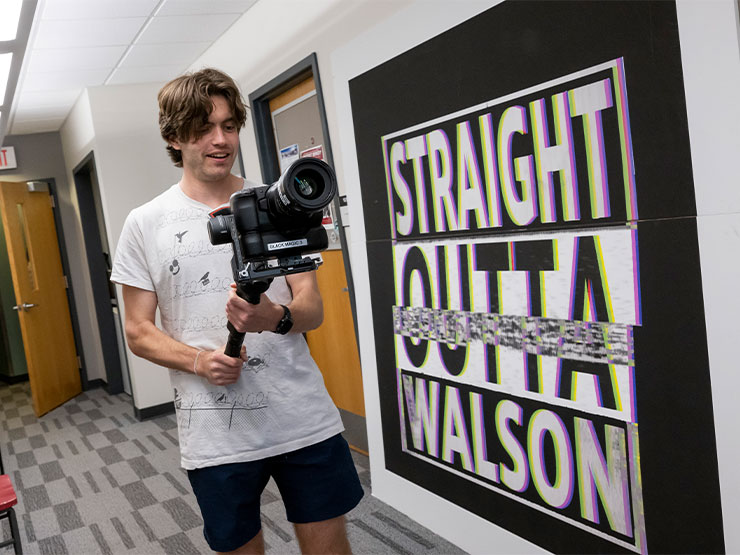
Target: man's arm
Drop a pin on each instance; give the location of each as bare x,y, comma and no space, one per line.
146,340
306,308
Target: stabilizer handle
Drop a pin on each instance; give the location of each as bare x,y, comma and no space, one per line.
234,343
251,293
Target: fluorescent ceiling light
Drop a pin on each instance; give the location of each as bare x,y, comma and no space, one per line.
9,19
5,60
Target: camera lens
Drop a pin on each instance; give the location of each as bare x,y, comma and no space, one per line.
307,184
305,188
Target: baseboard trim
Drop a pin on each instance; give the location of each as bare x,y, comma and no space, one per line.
153,412
94,384
11,380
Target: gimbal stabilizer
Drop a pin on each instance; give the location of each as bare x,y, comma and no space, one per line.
271,228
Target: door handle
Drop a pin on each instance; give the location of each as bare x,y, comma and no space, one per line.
23,307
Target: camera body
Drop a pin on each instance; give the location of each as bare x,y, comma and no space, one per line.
272,227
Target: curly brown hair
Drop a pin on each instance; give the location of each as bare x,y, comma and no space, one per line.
185,104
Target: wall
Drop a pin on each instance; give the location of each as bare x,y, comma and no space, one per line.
39,156
77,141
119,124
711,58
133,167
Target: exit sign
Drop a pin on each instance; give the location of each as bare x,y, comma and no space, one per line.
7,158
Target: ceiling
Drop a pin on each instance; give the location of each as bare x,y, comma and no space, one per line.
75,44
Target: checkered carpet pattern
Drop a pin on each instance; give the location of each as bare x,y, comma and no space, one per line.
91,479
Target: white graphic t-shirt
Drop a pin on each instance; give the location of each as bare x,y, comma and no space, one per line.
279,403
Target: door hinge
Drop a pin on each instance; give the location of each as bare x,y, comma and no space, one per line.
79,362
66,282
51,200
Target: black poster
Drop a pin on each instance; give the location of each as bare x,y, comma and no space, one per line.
536,289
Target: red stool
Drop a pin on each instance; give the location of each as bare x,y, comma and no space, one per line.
7,500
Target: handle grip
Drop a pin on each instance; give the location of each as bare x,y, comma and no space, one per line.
234,343
236,337
251,297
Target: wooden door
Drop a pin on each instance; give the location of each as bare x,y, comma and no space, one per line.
41,297
333,344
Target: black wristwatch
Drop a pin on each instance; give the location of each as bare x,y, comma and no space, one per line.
285,323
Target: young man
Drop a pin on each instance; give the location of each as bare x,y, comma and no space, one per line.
240,420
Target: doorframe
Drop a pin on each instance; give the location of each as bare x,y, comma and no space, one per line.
91,227
264,132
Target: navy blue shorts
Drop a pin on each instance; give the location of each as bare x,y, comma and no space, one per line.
316,483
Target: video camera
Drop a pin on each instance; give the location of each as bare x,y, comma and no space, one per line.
271,228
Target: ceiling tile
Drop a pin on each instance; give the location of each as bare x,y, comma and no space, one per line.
78,43
152,74
186,28
182,53
62,59
197,7
54,80
86,33
97,9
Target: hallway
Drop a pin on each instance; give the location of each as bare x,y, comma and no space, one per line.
91,479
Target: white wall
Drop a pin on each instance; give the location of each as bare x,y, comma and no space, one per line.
133,167
711,60
119,123
78,139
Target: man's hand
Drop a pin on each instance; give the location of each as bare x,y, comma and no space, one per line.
218,368
248,317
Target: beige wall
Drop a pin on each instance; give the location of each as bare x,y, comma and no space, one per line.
132,169
78,140
711,62
119,124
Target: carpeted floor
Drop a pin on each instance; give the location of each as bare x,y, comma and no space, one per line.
92,479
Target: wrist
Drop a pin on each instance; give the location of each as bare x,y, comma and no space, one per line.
197,360
275,317
285,323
